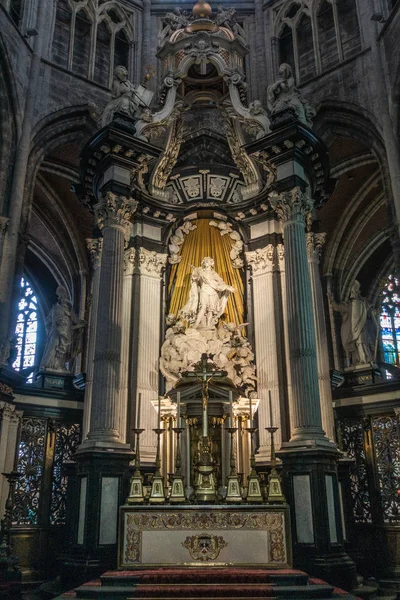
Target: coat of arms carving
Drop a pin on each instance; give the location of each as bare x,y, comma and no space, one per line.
204,546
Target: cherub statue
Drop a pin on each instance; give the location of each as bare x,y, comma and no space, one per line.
283,95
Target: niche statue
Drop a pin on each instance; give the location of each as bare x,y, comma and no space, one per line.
353,332
64,332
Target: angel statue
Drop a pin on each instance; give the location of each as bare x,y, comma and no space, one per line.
208,296
63,330
128,97
283,94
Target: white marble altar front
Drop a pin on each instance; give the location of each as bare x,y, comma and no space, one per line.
206,535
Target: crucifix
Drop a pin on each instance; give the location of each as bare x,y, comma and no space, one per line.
205,373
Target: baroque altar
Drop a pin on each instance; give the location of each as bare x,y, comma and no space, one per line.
206,513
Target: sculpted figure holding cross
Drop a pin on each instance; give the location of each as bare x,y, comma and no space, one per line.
208,296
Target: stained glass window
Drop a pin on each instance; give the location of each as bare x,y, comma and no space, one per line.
26,329
390,321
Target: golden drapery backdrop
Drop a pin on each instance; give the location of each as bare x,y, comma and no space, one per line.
206,241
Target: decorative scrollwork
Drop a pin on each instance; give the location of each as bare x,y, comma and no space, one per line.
68,437
386,432
352,437
31,455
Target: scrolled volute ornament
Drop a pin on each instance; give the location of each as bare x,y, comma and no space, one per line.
291,206
115,211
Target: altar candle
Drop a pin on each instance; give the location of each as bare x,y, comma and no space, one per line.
178,409
230,418
159,413
270,408
139,401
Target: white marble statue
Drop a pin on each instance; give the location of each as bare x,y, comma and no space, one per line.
206,334
128,97
231,352
283,95
208,296
63,331
353,331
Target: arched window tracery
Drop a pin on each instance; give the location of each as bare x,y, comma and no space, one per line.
315,36
286,52
305,48
390,321
102,59
82,40
91,38
328,45
349,27
26,329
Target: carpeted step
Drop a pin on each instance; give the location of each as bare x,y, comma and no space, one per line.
205,590
198,576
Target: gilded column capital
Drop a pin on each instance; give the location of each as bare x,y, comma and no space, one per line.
151,263
94,246
115,211
261,260
292,206
129,261
315,243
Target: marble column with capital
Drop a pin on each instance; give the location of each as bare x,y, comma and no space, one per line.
262,264
94,246
127,307
292,207
315,242
114,214
149,267
280,250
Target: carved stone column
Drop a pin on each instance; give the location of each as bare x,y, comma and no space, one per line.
261,262
292,207
114,214
315,242
127,306
280,249
94,247
146,349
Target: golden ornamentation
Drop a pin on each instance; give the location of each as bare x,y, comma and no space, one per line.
225,520
133,541
205,546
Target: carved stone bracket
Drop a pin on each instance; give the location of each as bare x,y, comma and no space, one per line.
291,206
151,263
261,260
280,250
115,211
129,261
8,411
315,243
94,246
